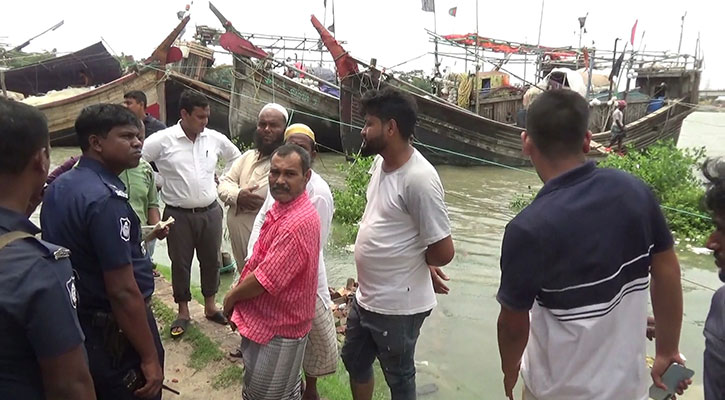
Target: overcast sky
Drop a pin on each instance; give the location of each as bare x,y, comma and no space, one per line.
390,30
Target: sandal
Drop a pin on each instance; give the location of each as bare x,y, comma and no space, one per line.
218,318
178,327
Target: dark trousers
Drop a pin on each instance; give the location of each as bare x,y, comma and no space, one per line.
108,373
714,371
200,231
390,338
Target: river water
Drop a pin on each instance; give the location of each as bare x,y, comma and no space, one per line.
457,350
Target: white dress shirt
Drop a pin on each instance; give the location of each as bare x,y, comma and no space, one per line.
321,197
188,167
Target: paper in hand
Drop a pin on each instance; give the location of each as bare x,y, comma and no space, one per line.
149,231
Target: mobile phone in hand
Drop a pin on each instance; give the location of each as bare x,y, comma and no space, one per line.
675,374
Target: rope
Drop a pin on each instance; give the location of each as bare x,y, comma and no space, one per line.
703,216
472,157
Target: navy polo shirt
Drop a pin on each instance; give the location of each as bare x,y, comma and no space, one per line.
579,258
581,227
37,308
87,210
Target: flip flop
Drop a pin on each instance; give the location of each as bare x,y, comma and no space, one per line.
181,323
218,318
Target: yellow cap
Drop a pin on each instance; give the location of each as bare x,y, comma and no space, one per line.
301,129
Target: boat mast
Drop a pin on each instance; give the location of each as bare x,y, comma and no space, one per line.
682,29
475,82
435,29
614,60
538,43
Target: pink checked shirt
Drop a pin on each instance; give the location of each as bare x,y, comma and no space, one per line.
285,261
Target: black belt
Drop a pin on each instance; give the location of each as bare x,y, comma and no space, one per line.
194,210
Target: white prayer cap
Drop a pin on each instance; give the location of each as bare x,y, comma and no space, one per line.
276,107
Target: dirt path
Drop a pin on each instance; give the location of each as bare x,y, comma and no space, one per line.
193,384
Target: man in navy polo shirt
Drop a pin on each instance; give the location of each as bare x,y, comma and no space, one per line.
86,210
575,268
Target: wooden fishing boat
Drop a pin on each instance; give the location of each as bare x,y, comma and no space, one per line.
256,84
219,100
448,134
149,78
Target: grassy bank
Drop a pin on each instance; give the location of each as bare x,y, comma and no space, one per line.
204,350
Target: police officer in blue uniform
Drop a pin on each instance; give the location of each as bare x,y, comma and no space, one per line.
87,210
41,342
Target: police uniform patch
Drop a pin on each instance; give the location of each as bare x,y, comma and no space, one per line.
118,192
125,228
61,253
72,293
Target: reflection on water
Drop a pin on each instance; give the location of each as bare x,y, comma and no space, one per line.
457,349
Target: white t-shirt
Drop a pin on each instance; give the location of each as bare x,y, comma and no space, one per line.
321,197
405,213
617,116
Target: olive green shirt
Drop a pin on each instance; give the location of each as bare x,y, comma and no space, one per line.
141,190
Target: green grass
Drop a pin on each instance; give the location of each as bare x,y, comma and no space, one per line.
231,375
337,386
203,349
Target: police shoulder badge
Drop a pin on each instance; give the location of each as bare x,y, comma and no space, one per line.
125,228
72,293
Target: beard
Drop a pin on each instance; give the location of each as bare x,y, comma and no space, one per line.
266,148
372,147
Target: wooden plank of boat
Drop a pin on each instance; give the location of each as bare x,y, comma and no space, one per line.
61,114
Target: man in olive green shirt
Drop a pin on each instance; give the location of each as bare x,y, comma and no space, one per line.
144,197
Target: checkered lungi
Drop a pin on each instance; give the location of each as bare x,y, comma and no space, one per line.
321,352
272,371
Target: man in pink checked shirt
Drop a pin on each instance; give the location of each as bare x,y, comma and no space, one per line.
273,303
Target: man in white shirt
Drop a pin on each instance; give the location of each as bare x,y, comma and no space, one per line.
186,155
244,186
617,132
404,238
320,357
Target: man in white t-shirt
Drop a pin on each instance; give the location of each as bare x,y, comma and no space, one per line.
404,238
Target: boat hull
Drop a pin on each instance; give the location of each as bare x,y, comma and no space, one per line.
254,87
61,114
219,99
447,134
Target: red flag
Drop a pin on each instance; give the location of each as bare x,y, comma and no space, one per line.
452,11
634,29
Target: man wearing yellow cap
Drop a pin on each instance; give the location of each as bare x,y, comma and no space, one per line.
320,357
244,186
